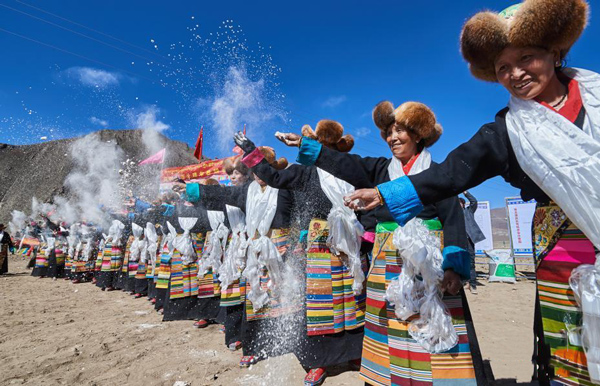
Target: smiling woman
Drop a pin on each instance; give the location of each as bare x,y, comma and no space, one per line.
392,354
546,143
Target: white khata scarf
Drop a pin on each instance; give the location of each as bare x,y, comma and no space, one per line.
115,232
184,242
345,230
235,254
421,256
261,207
72,240
563,160
152,246
213,253
136,245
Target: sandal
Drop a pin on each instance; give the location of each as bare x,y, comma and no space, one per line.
153,300
235,346
222,329
202,323
248,361
137,296
315,377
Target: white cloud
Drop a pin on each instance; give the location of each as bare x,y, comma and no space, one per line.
93,77
362,132
334,101
99,122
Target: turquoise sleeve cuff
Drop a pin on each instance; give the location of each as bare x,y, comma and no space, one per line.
192,192
459,260
309,151
401,199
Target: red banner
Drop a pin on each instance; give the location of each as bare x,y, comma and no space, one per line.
197,172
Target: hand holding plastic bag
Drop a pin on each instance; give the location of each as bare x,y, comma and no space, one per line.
421,255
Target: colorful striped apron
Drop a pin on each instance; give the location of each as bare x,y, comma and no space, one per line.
208,284
390,355
331,306
559,248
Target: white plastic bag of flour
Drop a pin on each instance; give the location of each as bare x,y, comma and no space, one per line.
502,266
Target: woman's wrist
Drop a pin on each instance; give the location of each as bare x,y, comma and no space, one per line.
379,196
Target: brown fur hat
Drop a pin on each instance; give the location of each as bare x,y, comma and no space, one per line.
269,154
331,134
553,24
415,116
235,163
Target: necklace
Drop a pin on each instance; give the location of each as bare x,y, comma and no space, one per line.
561,100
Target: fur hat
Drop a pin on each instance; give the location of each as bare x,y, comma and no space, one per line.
235,163
331,134
415,116
269,154
554,24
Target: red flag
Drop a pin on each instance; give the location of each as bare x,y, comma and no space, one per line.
199,143
244,129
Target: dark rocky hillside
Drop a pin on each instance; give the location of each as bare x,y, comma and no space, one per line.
40,170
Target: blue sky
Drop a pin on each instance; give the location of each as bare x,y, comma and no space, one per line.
72,67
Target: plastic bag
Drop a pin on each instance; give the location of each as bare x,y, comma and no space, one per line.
416,289
502,266
585,282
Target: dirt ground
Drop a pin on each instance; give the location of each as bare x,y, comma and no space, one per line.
58,333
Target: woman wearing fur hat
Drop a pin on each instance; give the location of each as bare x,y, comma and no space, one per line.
334,281
546,143
392,356
233,285
268,219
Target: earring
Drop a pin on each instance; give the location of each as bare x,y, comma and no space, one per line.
557,64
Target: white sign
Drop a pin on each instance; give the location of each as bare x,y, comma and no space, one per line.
483,218
520,218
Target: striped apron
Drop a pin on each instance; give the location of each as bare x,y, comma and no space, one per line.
559,248
390,355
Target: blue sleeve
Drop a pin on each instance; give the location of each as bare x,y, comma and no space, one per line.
141,206
459,260
192,192
169,210
401,199
309,151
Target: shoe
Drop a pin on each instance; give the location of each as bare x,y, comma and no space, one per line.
235,346
108,289
473,291
137,296
202,323
315,377
153,300
248,361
